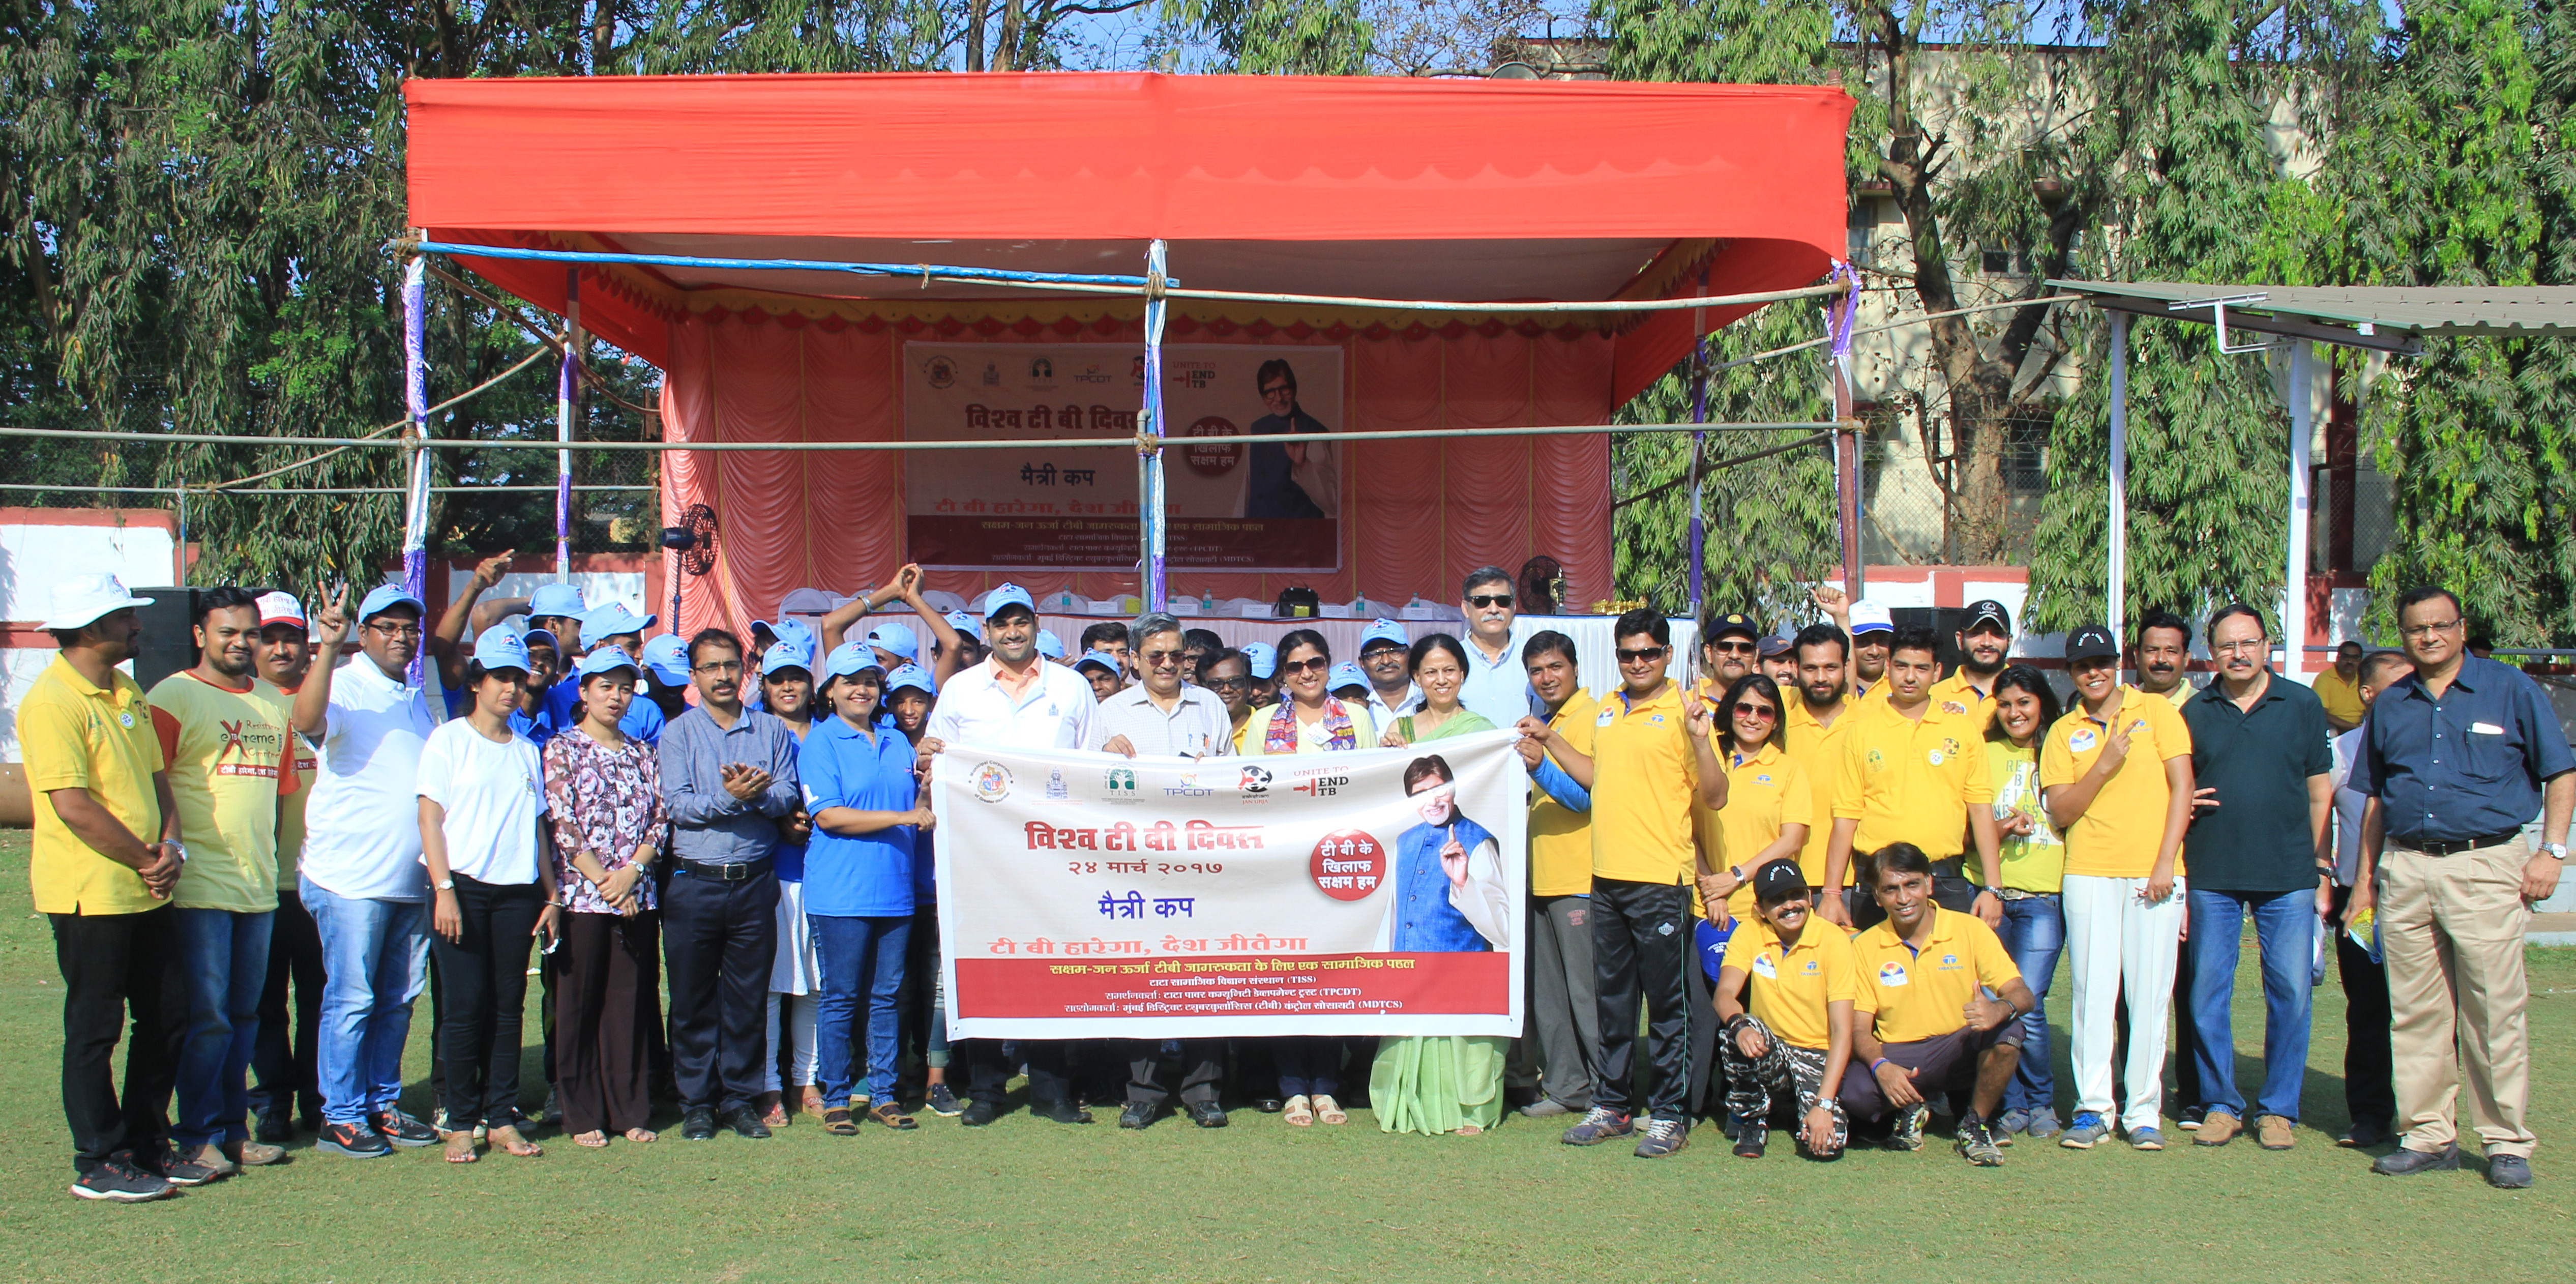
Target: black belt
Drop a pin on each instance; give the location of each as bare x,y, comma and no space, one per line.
2465,844
738,871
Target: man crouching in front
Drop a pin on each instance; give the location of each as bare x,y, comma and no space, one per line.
1785,994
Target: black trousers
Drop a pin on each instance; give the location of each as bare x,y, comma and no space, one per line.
2369,1088
115,966
485,976
611,1003
1202,1071
1641,944
719,939
282,1059
988,1070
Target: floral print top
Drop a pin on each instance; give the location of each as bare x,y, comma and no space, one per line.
607,802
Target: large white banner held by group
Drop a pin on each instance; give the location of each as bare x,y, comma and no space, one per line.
1377,891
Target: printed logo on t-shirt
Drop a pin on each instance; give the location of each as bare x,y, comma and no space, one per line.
1810,968
1607,717
1934,757
1953,707
1891,973
1763,779
125,719
1949,962
2082,740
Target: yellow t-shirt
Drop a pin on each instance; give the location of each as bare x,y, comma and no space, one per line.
2118,835
1956,694
1787,989
2032,862
1242,721
1819,749
1924,996
1763,793
1644,776
76,736
2342,699
1561,840
1911,781
229,759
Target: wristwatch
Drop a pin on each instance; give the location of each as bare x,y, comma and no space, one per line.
2554,851
1736,872
447,884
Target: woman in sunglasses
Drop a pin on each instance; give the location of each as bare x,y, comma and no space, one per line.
1309,719
1770,803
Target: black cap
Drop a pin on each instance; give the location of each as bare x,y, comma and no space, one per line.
1981,612
1775,646
1732,622
2091,642
1779,881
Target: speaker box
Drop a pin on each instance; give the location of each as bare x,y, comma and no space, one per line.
169,642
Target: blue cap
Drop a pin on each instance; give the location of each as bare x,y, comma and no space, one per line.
668,653
1261,659
897,637
1346,674
1384,631
913,676
499,648
1099,660
1008,595
535,636
783,654
850,658
607,659
966,623
1049,645
555,599
787,632
1710,940
385,597
611,619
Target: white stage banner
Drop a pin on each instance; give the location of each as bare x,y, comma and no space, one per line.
1376,891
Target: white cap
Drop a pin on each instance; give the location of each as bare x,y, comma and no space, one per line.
280,608
80,600
1870,617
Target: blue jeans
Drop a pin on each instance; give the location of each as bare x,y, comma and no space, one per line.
858,957
375,961
2285,927
225,957
2034,934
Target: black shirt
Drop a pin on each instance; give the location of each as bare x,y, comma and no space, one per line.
2257,839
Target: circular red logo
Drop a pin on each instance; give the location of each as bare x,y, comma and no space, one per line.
1216,458
1349,864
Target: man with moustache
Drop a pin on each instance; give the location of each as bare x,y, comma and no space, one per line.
1564,1016
285,1089
1496,685
2163,653
1728,645
1871,629
1815,724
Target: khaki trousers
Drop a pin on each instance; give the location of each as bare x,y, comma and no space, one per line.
2452,928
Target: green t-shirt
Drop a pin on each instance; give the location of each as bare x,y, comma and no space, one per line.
2033,862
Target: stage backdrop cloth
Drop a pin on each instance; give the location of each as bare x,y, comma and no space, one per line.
1091,895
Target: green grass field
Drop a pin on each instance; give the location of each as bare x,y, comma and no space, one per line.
1033,1201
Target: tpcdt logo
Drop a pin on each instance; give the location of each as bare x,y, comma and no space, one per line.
1121,784
992,781
1254,782
1091,373
1189,787
1322,786
940,371
1055,790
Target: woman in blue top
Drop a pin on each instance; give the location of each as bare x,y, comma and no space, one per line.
865,805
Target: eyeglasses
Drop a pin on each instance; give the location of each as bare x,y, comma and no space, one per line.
717,668
1316,664
1733,648
2416,631
1641,656
1278,389
1482,600
1226,684
394,630
1748,709
2249,646
1157,659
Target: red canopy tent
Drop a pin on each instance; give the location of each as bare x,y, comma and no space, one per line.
1387,188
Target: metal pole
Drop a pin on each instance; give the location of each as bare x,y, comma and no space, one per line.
2294,592
567,387
415,312
1151,518
1847,448
2115,570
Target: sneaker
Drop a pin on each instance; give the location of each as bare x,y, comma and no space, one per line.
1599,1124
253,1154
2043,1124
2010,1122
2191,1118
1663,1137
2146,1139
2508,1172
121,1183
1909,1128
180,1170
2087,1132
2404,1163
1750,1135
1976,1143
353,1141
941,1102
1545,1108
403,1130
274,1129
978,1114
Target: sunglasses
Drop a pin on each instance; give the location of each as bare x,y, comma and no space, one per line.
1315,665
1748,709
1157,659
1732,648
1490,599
1227,684
1627,656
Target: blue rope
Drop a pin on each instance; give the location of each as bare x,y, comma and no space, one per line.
793,265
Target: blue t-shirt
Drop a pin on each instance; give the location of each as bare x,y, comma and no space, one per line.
870,875
1425,920
643,720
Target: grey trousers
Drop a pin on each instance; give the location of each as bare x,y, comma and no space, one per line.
1564,1016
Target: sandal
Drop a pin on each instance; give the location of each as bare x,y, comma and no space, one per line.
812,1106
595,1139
773,1111
892,1116
508,1139
837,1122
642,1134
1298,1113
1329,1110
460,1148
1471,1130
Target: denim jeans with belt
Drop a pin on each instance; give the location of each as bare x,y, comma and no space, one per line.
2285,927
225,955
375,962
2034,933
862,965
